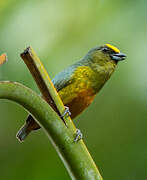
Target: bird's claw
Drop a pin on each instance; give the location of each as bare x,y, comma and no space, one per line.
66,112
79,135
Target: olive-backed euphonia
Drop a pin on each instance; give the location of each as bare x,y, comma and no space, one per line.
78,84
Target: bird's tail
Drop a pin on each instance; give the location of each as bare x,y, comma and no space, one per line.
29,126
23,132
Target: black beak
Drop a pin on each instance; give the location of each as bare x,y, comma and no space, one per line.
118,57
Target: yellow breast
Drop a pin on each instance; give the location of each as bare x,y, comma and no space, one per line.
78,94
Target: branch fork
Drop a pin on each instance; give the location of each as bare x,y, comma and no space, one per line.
60,130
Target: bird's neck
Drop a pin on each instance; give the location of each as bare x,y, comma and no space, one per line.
107,68
100,68
102,72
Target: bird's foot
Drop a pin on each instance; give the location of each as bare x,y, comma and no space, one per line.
79,135
66,112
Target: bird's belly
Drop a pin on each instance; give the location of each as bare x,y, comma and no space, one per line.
80,102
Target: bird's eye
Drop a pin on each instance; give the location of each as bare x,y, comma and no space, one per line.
105,49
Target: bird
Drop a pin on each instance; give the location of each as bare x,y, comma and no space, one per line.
78,84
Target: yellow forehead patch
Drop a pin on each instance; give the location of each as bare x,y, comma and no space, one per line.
113,48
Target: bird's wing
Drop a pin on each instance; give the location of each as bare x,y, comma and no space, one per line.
64,78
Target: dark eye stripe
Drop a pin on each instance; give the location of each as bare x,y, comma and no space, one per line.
105,49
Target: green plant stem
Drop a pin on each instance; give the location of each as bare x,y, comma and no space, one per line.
44,82
50,94
75,156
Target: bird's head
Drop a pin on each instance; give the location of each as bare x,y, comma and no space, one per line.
107,53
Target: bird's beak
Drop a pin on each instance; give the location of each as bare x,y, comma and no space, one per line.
118,57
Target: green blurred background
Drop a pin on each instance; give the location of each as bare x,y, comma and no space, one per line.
61,32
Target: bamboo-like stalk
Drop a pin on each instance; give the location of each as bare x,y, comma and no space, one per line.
44,83
74,155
